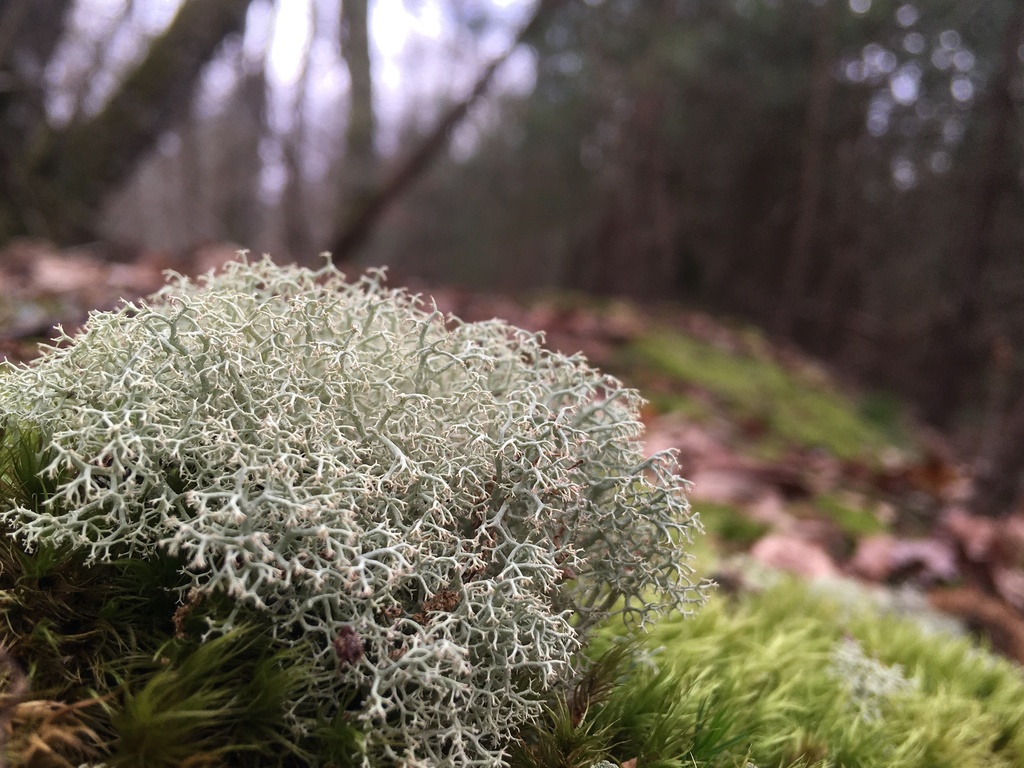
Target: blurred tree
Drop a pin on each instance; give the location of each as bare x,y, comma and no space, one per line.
359,173
812,165
847,173
201,184
53,180
997,192
29,33
959,343
359,221
294,203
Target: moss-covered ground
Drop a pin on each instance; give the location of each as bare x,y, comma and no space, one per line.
794,677
770,673
749,385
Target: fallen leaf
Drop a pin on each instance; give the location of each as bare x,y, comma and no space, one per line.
884,558
60,273
975,535
1009,545
984,614
770,508
824,532
1009,585
795,555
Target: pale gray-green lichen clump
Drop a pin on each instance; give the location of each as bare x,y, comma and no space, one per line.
442,508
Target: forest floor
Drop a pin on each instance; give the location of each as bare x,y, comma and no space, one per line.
791,468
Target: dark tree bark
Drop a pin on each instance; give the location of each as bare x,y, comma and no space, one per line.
998,483
359,170
822,85
957,348
64,178
244,126
357,229
29,33
633,249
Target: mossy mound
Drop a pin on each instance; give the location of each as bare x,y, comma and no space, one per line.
793,408
274,497
790,677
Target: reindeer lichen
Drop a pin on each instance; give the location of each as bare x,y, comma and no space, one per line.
440,510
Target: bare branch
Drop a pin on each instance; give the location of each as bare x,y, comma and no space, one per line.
91,158
362,223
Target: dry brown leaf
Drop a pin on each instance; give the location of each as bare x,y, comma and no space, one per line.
770,508
975,535
697,445
51,734
67,273
984,614
795,555
1010,543
1009,585
884,558
824,532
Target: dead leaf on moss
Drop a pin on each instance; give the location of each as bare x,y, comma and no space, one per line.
795,555
975,535
1009,585
1010,543
725,486
984,614
884,558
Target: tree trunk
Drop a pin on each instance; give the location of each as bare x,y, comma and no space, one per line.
29,33
359,169
998,482
957,349
811,170
356,229
78,166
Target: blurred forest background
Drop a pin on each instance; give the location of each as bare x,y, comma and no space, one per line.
847,174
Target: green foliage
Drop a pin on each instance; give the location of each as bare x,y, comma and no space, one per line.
799,680
224,697
887,412
730,525
81,628
70,622
850,518
23,457
567,734
430,514
790,678
795,410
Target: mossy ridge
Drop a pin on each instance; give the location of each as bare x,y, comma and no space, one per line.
795,410
764,668
400,494
730,526
848,513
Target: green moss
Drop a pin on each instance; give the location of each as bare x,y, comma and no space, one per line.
886,412
687,406
729,524
853,520
792,408
788,677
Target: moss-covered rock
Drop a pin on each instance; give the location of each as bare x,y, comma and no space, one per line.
427,516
